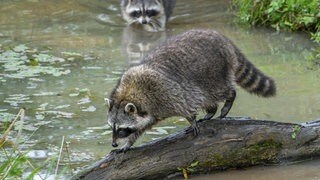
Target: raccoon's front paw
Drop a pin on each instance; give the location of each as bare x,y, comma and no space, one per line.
121,150
115,151
125,149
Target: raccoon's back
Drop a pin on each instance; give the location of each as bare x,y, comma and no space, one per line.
208,59
194,56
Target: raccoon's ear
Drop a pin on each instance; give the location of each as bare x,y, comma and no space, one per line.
107,102
130,108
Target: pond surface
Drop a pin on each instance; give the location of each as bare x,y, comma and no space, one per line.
70,54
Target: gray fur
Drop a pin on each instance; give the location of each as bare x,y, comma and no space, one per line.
192,71
150,23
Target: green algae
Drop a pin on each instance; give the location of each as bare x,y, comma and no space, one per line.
295,131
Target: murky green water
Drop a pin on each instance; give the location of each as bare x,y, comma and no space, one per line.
96,47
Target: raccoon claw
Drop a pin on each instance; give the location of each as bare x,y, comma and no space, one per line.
121,150
194,128
116,151
124,150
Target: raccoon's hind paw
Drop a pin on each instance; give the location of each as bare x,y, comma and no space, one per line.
208,116
211,111
195,129
228,104
192,120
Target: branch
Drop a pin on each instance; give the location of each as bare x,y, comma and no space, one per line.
221,144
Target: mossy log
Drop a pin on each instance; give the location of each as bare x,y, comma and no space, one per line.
221,144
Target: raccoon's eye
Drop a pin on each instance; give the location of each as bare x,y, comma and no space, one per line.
152,12
135,14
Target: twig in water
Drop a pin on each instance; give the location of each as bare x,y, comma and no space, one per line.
21,122
68,154
60,152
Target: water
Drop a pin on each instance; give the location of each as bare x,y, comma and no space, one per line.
97,47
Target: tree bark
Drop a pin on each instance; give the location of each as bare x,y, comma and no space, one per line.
222,144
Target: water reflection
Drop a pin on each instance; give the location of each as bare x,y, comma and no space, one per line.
136,43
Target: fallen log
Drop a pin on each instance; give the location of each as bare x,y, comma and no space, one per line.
221,144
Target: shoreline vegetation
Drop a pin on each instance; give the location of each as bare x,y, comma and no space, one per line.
283,15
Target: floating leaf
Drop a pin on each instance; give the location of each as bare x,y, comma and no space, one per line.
37,154
41,123
43,106
68,54
6,117
87,132
157,131
105,127
45,94
89,109
62,106
16,99
74,94
47,58
28,127
84,90
20,48
39,116
106,133
84,100
59,114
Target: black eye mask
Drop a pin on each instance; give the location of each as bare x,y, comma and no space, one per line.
125,132
136,14
152,12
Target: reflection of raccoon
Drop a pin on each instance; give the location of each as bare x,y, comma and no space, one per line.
136,43
195,70
151,14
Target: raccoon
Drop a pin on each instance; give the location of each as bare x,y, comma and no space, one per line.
192,71
151,14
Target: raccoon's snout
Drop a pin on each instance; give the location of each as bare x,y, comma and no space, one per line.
114,136
114,144
125,132
144,21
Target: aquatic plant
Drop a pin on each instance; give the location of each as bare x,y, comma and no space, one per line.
14,159
290,15
20,62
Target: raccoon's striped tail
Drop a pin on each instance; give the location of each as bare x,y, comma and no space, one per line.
252,79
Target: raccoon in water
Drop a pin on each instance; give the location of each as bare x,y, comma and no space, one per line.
152,15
